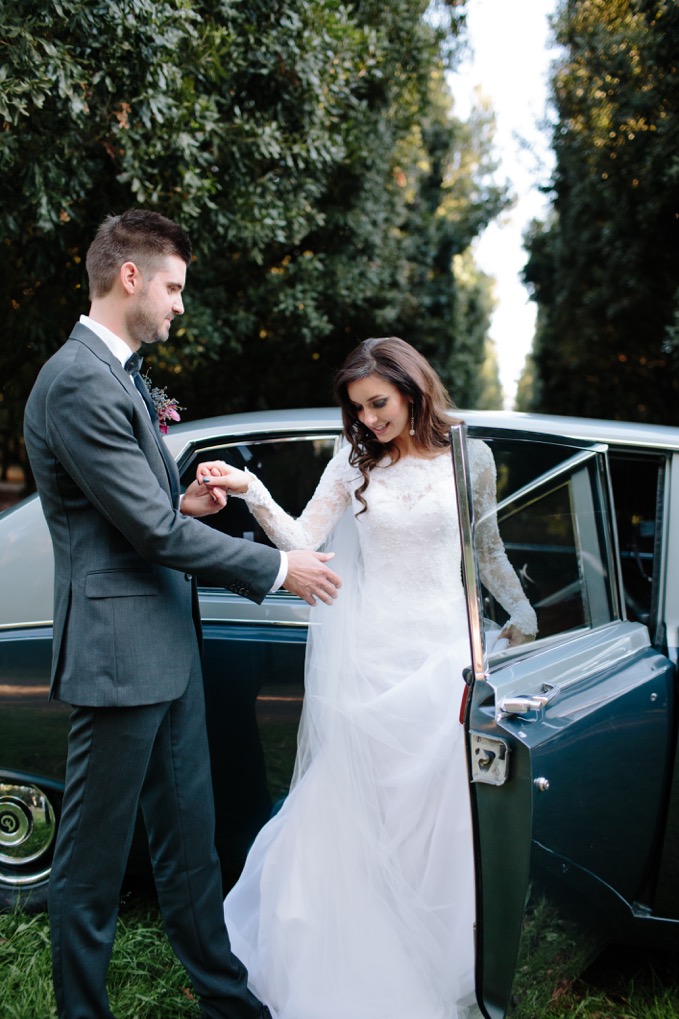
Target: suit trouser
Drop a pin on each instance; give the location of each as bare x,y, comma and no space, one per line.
157,756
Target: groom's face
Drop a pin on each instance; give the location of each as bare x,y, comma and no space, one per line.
160,298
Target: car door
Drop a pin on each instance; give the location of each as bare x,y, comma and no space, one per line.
568,737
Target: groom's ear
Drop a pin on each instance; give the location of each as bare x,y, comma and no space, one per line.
131,278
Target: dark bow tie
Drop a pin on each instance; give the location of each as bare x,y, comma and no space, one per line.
134,363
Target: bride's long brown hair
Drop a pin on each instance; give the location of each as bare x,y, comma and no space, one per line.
395,361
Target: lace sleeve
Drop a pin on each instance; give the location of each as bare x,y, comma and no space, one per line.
497,573
318,517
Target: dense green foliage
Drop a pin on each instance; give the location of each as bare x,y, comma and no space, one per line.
310,148
605,268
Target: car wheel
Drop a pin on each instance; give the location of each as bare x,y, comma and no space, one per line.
28,821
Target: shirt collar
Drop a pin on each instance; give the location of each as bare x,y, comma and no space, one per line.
118,347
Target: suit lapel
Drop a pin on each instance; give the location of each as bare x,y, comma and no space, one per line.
84,335
170,465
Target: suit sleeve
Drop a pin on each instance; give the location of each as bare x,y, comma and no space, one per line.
99,432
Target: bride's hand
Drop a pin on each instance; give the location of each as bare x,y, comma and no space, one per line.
514,636
217,474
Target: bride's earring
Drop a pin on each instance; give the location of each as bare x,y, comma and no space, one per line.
412,419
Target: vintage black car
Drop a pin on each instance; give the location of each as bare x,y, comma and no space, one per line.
571,739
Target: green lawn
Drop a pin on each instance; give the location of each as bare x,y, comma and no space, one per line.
147,982
622,984
145,979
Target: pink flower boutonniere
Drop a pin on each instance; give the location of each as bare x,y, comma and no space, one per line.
166,406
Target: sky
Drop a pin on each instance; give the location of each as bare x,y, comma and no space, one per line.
509,64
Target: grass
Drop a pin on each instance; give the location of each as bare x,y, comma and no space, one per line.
147,982
621,983
145,979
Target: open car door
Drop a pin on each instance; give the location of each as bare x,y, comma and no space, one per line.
568,737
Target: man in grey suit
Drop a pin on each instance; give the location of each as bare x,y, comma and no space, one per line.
127,632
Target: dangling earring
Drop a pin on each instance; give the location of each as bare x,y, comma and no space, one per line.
412,419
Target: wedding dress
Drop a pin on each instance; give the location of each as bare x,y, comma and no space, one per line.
357,898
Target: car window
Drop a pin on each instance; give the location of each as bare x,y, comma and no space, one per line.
550,521
290,468
638,483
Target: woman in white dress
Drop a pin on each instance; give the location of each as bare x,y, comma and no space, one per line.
357,898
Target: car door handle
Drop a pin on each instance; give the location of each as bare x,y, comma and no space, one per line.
523,704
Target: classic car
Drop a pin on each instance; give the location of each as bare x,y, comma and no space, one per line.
571,738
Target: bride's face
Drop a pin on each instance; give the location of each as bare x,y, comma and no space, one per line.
381,407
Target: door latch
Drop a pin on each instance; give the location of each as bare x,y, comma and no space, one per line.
489,759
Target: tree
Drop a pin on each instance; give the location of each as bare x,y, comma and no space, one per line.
491,397
525,392
604,268
444,301
280,133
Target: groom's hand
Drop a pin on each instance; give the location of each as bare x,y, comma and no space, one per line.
217,474
310,578
198,501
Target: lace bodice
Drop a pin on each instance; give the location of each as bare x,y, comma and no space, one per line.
409,535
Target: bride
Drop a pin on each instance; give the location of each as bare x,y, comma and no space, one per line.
357,898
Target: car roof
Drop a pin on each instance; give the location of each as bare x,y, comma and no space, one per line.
622,433
290,420
254,423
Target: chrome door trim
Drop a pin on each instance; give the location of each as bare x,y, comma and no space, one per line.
470,578
282,624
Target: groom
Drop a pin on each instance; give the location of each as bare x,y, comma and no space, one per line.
126,649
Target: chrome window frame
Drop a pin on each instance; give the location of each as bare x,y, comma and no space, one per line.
585,455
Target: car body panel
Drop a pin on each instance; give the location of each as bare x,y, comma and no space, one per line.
26,567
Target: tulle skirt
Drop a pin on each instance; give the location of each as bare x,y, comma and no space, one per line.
357,898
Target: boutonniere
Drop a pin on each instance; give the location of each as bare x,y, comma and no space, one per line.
166,406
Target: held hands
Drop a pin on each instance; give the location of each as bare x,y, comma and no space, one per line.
201,498
199,501
216,475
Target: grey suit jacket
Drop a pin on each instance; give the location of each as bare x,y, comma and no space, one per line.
125,604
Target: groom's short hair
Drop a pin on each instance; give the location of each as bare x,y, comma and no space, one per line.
138,235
